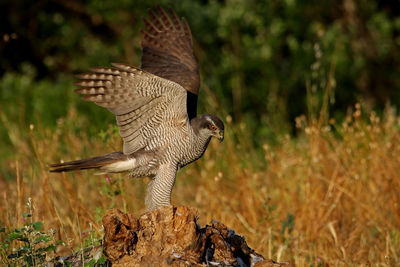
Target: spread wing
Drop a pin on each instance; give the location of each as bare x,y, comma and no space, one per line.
168,53
145,105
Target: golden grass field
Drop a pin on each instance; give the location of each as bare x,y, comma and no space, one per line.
328,197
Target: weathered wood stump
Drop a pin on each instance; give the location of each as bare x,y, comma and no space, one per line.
170,236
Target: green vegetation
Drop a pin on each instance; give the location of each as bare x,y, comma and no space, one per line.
36,246
308,91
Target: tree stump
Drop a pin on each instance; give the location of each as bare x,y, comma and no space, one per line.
170,236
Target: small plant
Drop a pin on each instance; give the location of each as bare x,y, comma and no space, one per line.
90,238
28,245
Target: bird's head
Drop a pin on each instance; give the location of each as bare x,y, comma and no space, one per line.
209,125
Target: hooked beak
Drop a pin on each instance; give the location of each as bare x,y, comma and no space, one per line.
221,136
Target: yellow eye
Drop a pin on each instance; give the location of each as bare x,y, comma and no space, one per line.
212,127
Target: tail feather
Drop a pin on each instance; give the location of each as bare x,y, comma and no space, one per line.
89,163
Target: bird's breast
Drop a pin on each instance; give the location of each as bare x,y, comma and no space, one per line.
193,151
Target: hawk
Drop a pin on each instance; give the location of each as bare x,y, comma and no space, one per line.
155,108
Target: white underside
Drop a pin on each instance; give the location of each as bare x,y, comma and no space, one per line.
120,166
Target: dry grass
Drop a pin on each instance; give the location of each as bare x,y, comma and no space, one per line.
328,197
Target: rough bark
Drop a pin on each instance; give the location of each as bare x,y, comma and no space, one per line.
170,236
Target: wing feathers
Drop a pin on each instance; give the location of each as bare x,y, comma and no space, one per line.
141,101
96,76
177,24
167,49
127,68
165,19
156,21
151,28
187,31
90,90
103,70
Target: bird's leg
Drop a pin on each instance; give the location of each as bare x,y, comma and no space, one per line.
159,189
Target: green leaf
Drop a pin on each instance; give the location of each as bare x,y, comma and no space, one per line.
37,225
66,262
26,215
28,259
14,235
91,263
43,238
51,248
48,248
102,260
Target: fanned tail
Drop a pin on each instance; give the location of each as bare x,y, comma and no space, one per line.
99,162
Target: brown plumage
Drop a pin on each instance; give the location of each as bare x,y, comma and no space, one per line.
89,163
167,50
155,109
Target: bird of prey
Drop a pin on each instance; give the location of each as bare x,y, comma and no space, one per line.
155,108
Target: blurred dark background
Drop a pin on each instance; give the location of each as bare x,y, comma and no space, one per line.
262,63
